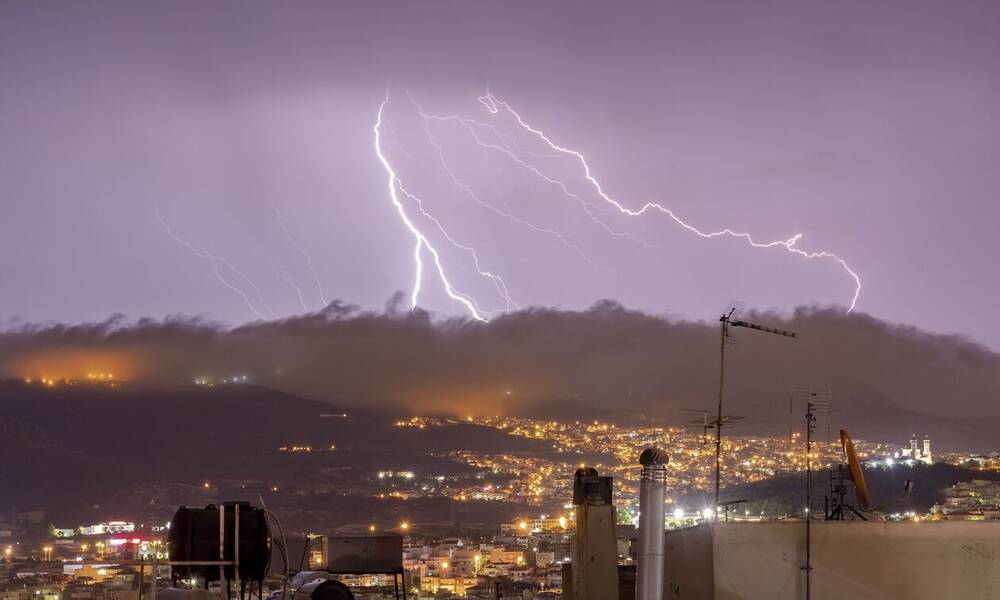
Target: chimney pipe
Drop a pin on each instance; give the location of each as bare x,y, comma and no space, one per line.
652,487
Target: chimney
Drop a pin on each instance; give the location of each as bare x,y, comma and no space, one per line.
652,486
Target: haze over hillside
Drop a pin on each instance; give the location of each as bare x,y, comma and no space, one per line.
888,381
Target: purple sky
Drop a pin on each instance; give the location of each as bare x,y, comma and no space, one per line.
871,130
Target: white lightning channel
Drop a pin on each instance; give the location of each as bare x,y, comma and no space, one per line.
215,261
395,186
508,214
283,275
305,255
497,281
492,103
471,124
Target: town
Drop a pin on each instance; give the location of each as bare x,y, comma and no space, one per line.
47,559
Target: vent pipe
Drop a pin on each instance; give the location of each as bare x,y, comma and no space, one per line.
652,488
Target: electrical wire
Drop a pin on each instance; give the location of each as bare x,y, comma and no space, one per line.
268,513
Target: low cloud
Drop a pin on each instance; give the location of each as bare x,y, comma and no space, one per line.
607,358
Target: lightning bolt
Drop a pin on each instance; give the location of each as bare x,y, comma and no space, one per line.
422,243
215,261
508,214
508,145
471,126
283,275
305,255
493,105
495,279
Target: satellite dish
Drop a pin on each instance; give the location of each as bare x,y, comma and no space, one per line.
860,487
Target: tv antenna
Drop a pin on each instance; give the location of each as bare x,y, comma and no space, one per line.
705,423
817,403
726,321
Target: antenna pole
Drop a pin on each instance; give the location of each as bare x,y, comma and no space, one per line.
810,427
725,321
724,333
791,438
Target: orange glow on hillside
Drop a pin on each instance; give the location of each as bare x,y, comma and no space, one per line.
76,366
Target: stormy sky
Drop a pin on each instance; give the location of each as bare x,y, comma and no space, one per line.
870,128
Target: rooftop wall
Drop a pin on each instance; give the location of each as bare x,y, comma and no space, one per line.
952,560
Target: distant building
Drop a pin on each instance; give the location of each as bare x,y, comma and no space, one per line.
917,452
978,499
109,527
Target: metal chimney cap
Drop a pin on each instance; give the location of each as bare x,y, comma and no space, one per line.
653,456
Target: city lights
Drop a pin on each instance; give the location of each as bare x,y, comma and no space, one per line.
532,477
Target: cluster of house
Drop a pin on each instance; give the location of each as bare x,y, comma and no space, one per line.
976,500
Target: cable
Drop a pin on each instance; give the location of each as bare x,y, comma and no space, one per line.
283,547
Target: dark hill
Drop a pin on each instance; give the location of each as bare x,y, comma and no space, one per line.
88,441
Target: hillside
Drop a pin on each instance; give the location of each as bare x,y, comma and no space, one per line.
70,442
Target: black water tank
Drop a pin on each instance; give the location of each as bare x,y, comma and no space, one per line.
194,536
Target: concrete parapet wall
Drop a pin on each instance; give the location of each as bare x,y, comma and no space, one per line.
856,560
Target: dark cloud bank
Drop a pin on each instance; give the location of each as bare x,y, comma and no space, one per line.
888,381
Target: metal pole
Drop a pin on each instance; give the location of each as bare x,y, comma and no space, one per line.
810,421
718,420
142,569
236,549
791,438
152,588
222,553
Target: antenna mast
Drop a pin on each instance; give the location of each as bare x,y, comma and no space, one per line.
726,321
817,402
